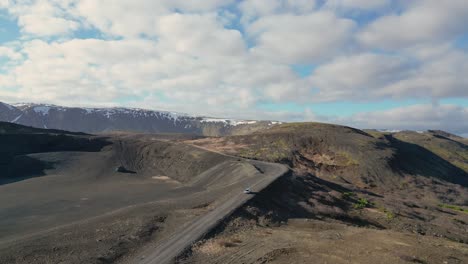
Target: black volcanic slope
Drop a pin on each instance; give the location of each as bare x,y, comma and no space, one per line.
62,199
18,141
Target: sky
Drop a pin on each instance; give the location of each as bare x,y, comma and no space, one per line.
365,63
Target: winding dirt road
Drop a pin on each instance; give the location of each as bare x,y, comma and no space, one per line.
182,239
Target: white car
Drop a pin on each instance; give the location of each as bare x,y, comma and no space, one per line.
247,191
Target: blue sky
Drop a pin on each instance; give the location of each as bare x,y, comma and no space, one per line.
9,30
339,61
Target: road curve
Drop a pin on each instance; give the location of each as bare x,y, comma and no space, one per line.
169,249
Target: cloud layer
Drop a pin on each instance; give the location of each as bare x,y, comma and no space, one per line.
416,117
227,58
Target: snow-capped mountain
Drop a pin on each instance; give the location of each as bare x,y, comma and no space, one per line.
93,120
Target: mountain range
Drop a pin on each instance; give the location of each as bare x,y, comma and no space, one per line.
95,120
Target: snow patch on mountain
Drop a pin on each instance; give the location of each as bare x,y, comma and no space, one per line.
22,105
214,120
389,130
230,122
44,110
123,118
137,112
242,122
174,116
89,110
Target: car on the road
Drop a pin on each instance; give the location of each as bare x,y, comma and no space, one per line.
247,191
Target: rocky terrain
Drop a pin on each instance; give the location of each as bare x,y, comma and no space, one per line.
77,198
94,120
352,196
375,196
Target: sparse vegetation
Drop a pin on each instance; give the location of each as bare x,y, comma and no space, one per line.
458,221
348,159
454,207
404,185
362,203
215,246
461,165
226,243
388,213
347,195
452,150
275,151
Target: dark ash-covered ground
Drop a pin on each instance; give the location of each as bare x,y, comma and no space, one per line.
63,201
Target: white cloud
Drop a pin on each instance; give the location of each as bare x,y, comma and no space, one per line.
131,18
430,73
300,39
421,117
358,77
9,53
45,25
349,5
253,9
42,17
417,117
440,76
423,21
4,3
191,79
198,35
84,69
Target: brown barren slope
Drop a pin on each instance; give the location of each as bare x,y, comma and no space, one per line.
344,176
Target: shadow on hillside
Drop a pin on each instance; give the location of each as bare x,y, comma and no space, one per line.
415,160
12,128
16,166
21,168
292,197
459,143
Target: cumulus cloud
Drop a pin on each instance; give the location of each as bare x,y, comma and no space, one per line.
101,71
45,25
42,17
431,73
4,3
417,117
9,53
133,18
350,5
442,76
198,35
300,38
361,76
421,22
253,9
